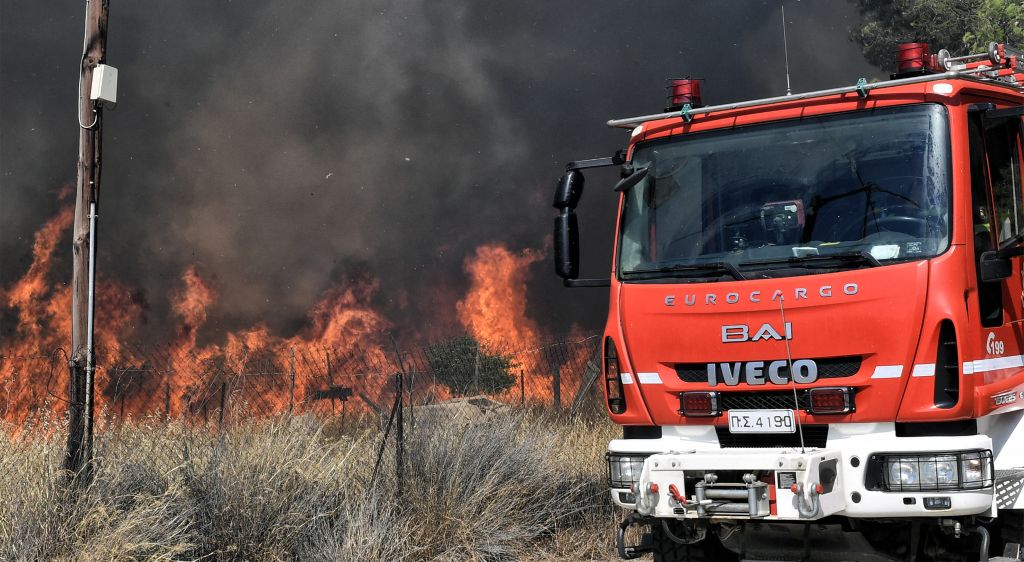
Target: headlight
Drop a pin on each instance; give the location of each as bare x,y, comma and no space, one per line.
969,470
976,469
940,472
624,469
903,472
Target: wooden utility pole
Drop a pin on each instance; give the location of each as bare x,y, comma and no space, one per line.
90,124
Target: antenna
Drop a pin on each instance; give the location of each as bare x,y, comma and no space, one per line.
792,379
785,47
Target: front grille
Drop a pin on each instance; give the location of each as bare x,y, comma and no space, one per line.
814,436
828,368
762,400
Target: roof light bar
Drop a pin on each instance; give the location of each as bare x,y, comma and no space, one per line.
630,122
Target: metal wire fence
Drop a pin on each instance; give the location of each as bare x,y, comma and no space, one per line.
222,386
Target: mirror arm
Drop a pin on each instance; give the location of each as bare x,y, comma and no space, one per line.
616,160
1011,252
574,283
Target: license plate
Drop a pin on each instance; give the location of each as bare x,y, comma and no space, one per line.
761,421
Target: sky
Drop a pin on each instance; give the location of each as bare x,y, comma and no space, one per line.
284,148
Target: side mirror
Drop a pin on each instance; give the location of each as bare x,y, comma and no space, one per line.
994,267
567,245
569,190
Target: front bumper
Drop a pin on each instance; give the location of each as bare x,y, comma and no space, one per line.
787,483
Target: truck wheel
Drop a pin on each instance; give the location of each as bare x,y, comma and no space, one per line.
667,550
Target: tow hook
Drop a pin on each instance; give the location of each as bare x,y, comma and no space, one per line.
643,506
636,551
807,502
676,495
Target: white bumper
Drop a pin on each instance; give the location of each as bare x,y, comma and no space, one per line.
695,450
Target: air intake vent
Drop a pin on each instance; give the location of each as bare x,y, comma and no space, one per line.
947,368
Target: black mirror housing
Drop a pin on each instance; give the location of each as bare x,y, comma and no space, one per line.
994,267
633,178
569,190
567,245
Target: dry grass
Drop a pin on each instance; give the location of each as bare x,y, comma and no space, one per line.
523,486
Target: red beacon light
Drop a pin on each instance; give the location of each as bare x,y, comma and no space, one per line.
682,91
913,59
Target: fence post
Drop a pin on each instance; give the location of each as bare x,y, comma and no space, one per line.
291,388
167,392
412,402
120,392
476,370
400,435
556,387
330,376
590,375
223,403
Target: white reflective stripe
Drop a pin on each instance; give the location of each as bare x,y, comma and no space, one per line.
996,363
924,370
649,378
627,378
968,367
887,372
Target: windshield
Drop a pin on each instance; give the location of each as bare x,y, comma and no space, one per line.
866,188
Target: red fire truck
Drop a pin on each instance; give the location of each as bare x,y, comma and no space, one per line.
815,342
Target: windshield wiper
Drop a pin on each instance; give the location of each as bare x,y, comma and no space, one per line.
860,256
670,270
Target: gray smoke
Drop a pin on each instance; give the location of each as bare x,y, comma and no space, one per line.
285,147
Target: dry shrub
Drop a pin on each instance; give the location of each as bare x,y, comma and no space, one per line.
520,486
128,511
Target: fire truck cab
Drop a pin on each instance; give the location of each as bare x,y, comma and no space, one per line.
815,338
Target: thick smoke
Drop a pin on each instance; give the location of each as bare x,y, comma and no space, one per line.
284,147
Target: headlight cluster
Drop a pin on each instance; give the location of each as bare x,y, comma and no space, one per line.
967,470
624,469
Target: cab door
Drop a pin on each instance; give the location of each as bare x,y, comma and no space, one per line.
997,210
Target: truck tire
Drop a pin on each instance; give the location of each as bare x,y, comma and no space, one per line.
667,550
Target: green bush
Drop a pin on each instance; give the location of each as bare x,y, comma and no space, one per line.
465,367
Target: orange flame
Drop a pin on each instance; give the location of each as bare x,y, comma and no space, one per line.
494,310
343,327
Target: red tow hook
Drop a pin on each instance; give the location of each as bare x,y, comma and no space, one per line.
675,494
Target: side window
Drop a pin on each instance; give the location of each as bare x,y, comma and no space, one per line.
990,295
1001,142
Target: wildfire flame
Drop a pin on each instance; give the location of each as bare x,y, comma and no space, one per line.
343,326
